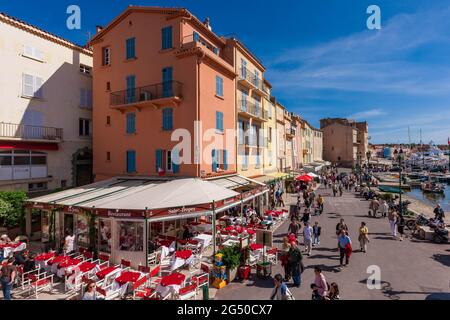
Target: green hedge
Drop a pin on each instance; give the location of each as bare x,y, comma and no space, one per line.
12,213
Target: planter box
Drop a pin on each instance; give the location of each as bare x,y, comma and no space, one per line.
244,272
231,275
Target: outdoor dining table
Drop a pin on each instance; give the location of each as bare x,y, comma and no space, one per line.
12,247
204,239
126,278
106,271
170,284
256,246
41,259
180,259
230,243
66,265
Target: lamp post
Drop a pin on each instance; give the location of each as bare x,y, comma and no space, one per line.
368,155
398,154
359,167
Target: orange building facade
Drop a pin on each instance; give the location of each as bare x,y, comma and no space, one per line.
157,71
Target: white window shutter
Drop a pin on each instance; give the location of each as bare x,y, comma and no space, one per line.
38,87
27,85
39,54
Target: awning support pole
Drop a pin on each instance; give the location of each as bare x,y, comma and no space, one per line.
214,231
147,238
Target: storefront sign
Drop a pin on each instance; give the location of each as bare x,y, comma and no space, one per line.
132,214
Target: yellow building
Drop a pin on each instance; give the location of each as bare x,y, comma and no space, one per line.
251,91
270,156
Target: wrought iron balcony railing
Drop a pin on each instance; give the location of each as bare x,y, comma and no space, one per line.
152,92
29,132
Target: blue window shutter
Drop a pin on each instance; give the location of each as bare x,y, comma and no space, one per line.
214,160
166,36
168,119
216,50
131,50
175,161
241,132
158,160
244,101
167,82
131,161
219,121
131,86
225,160
219,86
131,123
196,36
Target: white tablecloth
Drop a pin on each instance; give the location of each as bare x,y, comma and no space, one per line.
178,262
204,239
166,290
165,251
8,250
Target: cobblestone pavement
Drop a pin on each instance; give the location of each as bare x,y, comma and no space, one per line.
410,269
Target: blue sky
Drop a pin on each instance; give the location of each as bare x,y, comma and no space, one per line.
320,57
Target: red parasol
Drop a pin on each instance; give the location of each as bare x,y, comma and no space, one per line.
304,178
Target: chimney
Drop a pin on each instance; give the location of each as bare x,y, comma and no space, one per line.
206,23
99,29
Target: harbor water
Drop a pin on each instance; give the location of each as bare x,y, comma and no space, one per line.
432,198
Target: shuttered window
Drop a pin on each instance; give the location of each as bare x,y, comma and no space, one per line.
131,123
131,48
32,86
166,35
131,161
219,86
219,121
167,119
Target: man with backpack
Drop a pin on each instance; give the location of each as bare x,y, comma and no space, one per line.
295,259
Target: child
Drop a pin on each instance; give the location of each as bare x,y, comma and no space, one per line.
315,292
316,233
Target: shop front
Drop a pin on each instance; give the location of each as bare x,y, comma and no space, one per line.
122,217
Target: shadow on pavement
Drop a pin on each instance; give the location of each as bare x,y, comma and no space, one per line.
322,256
442,258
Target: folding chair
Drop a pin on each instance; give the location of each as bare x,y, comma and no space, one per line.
39,284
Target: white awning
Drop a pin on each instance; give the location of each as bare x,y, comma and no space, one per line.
139,194
234,181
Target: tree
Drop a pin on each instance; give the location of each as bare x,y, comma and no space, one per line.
11,208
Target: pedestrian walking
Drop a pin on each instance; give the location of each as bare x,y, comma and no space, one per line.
374,206
363,237
392,218
307,238
294,228
280,291
340,189
317,230
320,203
341,226
296,264
335,190
345,248
320,283
384,208
284,257
8,274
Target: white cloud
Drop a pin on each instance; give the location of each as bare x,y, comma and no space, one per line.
372,61
367,114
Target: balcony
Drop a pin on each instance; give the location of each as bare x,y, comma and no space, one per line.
12,131
155,96
249,80
290,133
250,109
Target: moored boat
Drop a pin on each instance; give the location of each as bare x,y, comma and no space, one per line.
432,187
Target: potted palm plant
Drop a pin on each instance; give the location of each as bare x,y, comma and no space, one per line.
232,257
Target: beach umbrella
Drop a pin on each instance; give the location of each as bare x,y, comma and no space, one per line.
304,178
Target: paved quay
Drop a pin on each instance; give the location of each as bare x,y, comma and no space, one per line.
410,269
